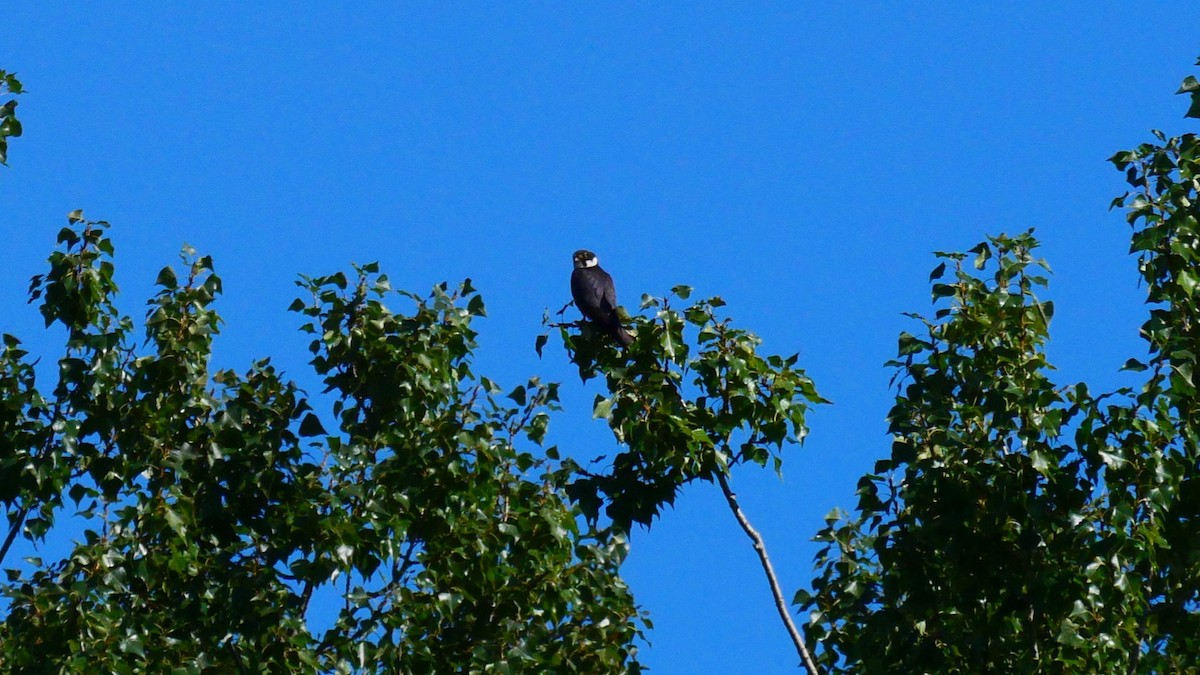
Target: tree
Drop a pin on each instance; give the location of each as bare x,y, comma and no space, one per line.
689,405
215,506
1020,525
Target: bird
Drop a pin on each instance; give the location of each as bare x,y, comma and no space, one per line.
594,294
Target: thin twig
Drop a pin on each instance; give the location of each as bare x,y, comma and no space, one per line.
761,549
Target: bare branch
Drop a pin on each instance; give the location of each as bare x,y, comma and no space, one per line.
761,549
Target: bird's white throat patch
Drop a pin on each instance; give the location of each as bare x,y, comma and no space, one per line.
591,262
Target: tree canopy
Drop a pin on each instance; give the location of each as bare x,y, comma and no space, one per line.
1018,524
215,506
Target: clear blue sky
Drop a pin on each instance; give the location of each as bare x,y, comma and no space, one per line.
802,160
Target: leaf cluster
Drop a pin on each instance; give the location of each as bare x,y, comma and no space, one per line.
10,126
690,398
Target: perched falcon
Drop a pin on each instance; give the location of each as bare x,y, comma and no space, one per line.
595,296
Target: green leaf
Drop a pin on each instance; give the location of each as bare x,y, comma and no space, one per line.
311,426
1187,281
937,272
166,278
1134,365
1192,87
1039,461
944,290
684,292
602,408
1193,110
1184,368
983,253
475,306
909,344
132,644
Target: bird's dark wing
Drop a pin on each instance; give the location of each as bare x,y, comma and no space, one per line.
592,290
608,306
595,296
608,302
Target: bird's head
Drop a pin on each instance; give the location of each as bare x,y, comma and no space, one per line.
584,259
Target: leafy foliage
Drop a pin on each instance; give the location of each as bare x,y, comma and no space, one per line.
684,411
9,125
688,399
1020,525
1017,525
216,506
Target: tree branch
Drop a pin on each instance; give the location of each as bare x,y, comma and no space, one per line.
761,549
15,526
12,531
